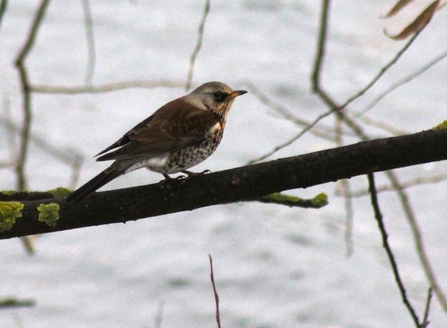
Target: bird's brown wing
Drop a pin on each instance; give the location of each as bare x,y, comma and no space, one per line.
169,128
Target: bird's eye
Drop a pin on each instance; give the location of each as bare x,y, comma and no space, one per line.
218,95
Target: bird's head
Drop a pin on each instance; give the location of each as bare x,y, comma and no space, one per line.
215,96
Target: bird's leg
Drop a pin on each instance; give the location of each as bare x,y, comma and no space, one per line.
181,177
168,178
193,174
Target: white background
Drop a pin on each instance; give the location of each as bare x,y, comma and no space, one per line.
274,266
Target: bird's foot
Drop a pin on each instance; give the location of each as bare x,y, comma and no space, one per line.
193,174
168,178
182,177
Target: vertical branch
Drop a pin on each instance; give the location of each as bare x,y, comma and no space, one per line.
386,245
418,240
10,132
216,296
159,315
345,185
405,80
384,69
27,115
196,50
425,322
88,22
3,6
26,91
316,73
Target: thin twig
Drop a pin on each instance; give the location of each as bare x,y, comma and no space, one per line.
66,157
106,87
20,64
418,240
349,210
3,6
10,132
384,69
403,81
316,86
196,50
425,322
76,170
27,113
386,245
88,22
290,141
382,125
159,315
216,296
324,132
321,46
353,125
407,184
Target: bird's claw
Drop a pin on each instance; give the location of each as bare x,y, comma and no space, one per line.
193,174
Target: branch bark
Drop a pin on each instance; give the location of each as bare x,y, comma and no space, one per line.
239,184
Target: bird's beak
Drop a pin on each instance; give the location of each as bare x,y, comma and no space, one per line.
236,93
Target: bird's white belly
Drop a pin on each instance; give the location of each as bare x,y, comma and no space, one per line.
155,164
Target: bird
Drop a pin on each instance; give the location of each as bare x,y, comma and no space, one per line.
179,135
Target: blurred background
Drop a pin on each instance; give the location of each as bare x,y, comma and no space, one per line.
274,266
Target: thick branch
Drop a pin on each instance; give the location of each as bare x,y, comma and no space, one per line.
240,184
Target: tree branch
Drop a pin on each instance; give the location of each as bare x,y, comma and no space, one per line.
239,184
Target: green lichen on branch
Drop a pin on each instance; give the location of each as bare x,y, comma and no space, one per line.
441,126
49,214
12,302
277,198
60,192
8,192
9,212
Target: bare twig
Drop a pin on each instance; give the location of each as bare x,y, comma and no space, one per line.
10,133
196,50
382,229
425,322
356,128
66,157
76,169
403,185
3,6
106,87
324,132
216,296
315,83
14,303
403,81
417,236
321,46
290,141
88,22
27,113
159,315
383,126
349,210
20,64
383,69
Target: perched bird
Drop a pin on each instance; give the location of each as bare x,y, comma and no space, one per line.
178,136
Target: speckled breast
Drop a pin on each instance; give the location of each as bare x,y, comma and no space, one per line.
188,157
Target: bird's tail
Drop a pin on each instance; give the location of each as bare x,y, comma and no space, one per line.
94,184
